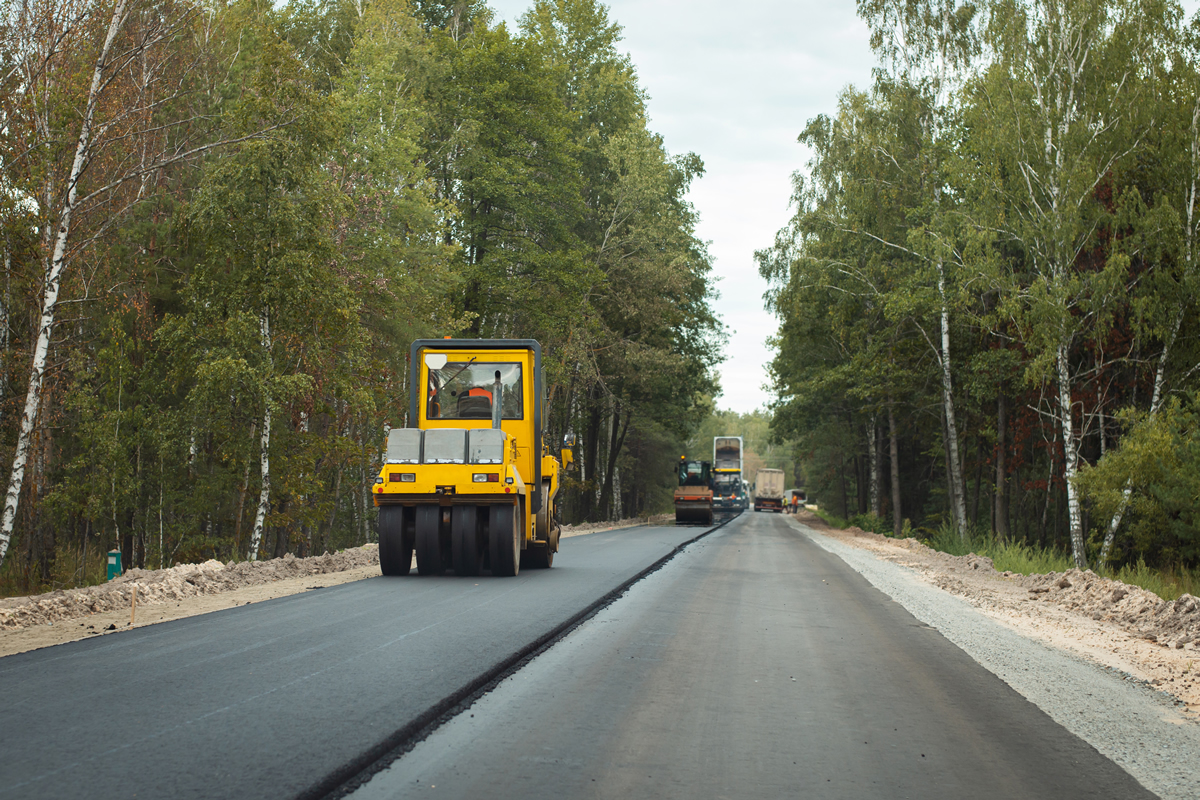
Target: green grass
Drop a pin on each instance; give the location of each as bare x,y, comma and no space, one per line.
1166,583
836,522
1008,556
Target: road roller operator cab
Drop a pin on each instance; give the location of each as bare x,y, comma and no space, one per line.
470,485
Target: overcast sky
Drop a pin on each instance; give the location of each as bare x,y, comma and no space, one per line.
736,83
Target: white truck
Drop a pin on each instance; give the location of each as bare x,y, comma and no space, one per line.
768,490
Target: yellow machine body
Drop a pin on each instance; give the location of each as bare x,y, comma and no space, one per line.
472,463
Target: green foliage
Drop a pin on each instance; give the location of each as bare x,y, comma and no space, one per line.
871,523
1012,198
361,175
1159,458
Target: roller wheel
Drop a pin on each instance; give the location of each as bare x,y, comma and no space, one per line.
395,549
504,546
545,516
537,557
467,554
540,554
429,543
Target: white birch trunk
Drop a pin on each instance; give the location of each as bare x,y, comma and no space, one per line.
618,511
873,459
264,453
1070,456
957,501
53,281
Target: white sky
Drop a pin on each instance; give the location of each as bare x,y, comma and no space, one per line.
737,83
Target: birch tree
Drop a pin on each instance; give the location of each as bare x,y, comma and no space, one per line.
1060,105
929,46
1174,291
142,59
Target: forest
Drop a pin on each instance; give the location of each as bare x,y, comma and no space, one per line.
987,288
223,224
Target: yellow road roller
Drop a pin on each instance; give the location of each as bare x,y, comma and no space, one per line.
694,497
470,484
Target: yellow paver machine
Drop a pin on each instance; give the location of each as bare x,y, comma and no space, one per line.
470,484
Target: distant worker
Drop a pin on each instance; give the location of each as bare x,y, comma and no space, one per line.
795,502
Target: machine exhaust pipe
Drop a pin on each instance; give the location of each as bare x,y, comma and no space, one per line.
497,402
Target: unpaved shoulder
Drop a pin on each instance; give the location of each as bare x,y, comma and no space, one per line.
1111,623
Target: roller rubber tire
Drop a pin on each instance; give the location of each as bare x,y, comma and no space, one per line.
466,554
503,545
395,553
429,544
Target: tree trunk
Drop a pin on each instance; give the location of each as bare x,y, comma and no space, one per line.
52,283
876,500
618,428
978,481
591,450
845,494
1000,520
242,490
955,479
264,451
1070,458
897,516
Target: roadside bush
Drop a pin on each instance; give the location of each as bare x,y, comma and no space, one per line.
1159,458
872,523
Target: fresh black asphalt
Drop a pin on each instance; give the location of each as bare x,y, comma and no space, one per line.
270,700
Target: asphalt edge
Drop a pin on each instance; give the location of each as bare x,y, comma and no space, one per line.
355,773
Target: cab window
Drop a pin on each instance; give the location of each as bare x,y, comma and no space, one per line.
464,389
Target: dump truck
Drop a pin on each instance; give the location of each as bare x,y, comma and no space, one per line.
694,497
470,484
768,490
728,493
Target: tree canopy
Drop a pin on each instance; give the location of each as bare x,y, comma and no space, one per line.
985,292
214,264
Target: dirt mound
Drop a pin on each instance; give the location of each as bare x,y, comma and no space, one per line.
173,583
595,527
1172,623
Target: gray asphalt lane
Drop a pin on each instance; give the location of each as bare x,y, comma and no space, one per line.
755,664
267,700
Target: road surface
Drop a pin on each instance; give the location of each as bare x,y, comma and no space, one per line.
755,664
282,698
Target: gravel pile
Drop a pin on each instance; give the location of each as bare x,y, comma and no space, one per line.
1174,623
1171,624
1139,728
172,584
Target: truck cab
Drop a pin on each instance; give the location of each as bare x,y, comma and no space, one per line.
470,484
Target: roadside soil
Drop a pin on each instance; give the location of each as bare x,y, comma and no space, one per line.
1119,626
29,623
